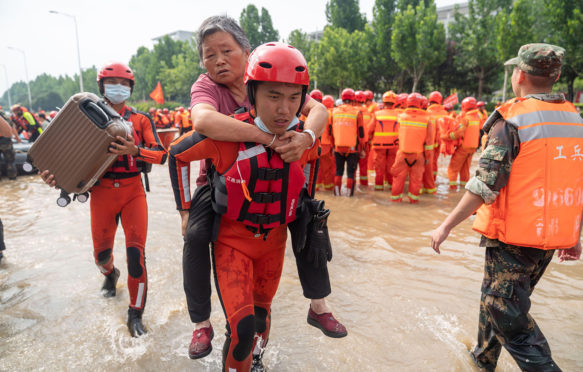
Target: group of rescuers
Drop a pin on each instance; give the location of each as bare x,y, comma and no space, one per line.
258,171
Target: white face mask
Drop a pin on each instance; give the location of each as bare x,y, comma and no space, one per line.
117,93
261,125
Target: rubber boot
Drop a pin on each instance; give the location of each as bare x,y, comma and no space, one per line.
108,287
337,185
257,365
135,325
350,186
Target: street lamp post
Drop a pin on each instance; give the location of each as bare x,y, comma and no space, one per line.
25,74
8,85
76,37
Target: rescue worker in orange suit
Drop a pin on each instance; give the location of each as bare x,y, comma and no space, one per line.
26,123
435,111
120,196
367,120
447,124
469,133
327,162
530,161
250,244
384,135
369,102
348,139
415,133
185,123
401,103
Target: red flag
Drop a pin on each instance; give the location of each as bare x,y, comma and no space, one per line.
451,99
157,94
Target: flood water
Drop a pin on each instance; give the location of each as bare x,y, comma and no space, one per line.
405,307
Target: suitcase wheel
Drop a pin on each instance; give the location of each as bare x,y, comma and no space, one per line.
27,167
64,199
82,198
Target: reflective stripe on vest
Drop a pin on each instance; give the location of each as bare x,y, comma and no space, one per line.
412,130
541,204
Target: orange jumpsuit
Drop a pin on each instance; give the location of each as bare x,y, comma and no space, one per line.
247,265
327,162
414,133
461,160
119,195
384,134
368,119
435,111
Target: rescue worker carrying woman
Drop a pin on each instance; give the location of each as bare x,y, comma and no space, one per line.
415,134
348,140
119,195
256,195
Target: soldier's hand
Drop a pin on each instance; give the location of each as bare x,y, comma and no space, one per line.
571,254
438,236
297,144
48,178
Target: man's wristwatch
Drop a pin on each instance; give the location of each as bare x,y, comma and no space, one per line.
312,135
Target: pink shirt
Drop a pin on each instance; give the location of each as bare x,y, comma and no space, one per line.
205,90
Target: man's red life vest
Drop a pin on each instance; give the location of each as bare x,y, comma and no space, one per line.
259,189
386,133
542,202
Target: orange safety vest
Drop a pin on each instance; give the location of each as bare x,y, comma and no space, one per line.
412,130
386,132
326,138
373,107
436,111
366,119
472,132
345,126
447,125
542,202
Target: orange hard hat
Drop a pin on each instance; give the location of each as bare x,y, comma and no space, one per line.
347,94
359,96
389,97
415,100
435,97
316,94
469,103
328,101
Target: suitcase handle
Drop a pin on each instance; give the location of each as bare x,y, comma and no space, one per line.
94,113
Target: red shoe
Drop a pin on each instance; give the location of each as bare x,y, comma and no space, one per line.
201,346
327,324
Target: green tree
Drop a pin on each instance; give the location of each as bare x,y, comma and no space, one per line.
383,66
475,39
258,27
418,40
521,26
345,14
566,19
177,81
302,42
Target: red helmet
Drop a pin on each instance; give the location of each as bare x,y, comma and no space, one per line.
401,99
165,110
347,95
328,101
389,97
369,95
52,114
316,94
277,62
435,97
181,109
469,103
424,102
480,104
448,106
415,100
115,69
359,96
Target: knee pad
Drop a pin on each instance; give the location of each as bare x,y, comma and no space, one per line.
103,257
134,266
246,333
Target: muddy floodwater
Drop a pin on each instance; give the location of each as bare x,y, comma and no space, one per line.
405,307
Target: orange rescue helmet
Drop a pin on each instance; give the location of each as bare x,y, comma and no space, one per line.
469,103
328,101
401,99
347,94
480,104
181,109
165,110
316,94
415,100
435,97
389,97
424,102
359,96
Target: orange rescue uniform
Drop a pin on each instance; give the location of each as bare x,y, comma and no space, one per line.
469,131
415,132
348,139
435,111
368,119
384,134
327,163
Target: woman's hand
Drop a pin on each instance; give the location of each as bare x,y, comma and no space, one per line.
297,143
48,178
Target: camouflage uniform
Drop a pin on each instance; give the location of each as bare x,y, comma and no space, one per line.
7,152
511,272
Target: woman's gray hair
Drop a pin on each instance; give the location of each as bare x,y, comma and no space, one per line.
221,23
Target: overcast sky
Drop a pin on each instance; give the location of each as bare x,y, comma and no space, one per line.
112,30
